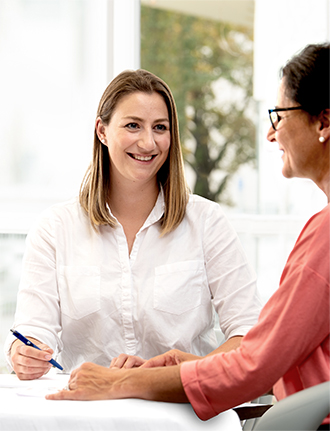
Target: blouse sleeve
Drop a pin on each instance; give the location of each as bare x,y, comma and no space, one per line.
231,279
38,310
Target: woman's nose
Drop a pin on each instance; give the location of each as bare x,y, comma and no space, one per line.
271,134
147,141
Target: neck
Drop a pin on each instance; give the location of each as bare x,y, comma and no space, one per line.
135,200
321,176
326,186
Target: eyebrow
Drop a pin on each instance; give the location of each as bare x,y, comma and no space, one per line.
132,117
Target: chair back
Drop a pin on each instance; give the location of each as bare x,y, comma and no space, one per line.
302,411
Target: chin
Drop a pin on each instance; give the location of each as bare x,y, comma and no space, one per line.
287,173
286,168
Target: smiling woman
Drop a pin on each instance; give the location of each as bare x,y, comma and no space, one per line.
138,138
303,100
118,110
136,265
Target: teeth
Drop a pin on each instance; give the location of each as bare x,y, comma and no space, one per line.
144,159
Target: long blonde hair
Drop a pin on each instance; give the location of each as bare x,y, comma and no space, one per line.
94,188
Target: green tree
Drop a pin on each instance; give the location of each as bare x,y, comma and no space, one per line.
195,56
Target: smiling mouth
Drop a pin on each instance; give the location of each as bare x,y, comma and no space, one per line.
142,158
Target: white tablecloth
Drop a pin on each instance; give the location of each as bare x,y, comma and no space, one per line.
24,408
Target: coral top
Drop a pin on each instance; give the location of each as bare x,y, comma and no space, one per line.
288,349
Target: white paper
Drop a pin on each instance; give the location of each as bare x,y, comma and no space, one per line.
48,384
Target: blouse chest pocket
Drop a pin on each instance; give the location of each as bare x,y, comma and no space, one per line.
79,288
178,286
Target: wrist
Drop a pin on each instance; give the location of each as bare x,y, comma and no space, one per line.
157,384
128,383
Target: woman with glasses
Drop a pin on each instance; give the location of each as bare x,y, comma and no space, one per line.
288,349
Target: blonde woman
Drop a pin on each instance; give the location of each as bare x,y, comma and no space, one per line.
136,266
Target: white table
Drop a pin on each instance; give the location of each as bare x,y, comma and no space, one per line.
23,407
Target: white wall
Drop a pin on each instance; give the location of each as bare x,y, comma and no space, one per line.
283,28
124,35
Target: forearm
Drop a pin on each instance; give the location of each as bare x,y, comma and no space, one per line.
157,384
93,382
231,344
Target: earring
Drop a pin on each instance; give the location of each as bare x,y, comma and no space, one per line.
322,139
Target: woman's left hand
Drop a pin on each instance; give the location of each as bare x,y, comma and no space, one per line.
90,382
127,361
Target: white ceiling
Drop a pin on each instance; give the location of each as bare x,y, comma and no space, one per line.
233,11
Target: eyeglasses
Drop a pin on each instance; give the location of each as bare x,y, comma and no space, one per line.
275,118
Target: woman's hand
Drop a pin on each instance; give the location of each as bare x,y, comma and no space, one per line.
127,361
170,358
30,363
94,382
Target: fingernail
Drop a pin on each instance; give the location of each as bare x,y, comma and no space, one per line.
48,357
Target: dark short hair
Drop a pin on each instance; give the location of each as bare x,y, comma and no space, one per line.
306,77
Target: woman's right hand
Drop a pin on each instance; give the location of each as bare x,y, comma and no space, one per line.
126,361
30,363
170,358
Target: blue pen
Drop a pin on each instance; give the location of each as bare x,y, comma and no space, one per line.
29,343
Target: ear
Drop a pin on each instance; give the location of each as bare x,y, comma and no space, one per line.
100,130
324,124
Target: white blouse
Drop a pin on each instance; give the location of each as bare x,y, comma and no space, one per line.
82,294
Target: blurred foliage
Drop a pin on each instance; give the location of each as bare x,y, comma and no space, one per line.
208,66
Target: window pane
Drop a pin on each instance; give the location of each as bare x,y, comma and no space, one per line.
50,87
53,72
208,65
